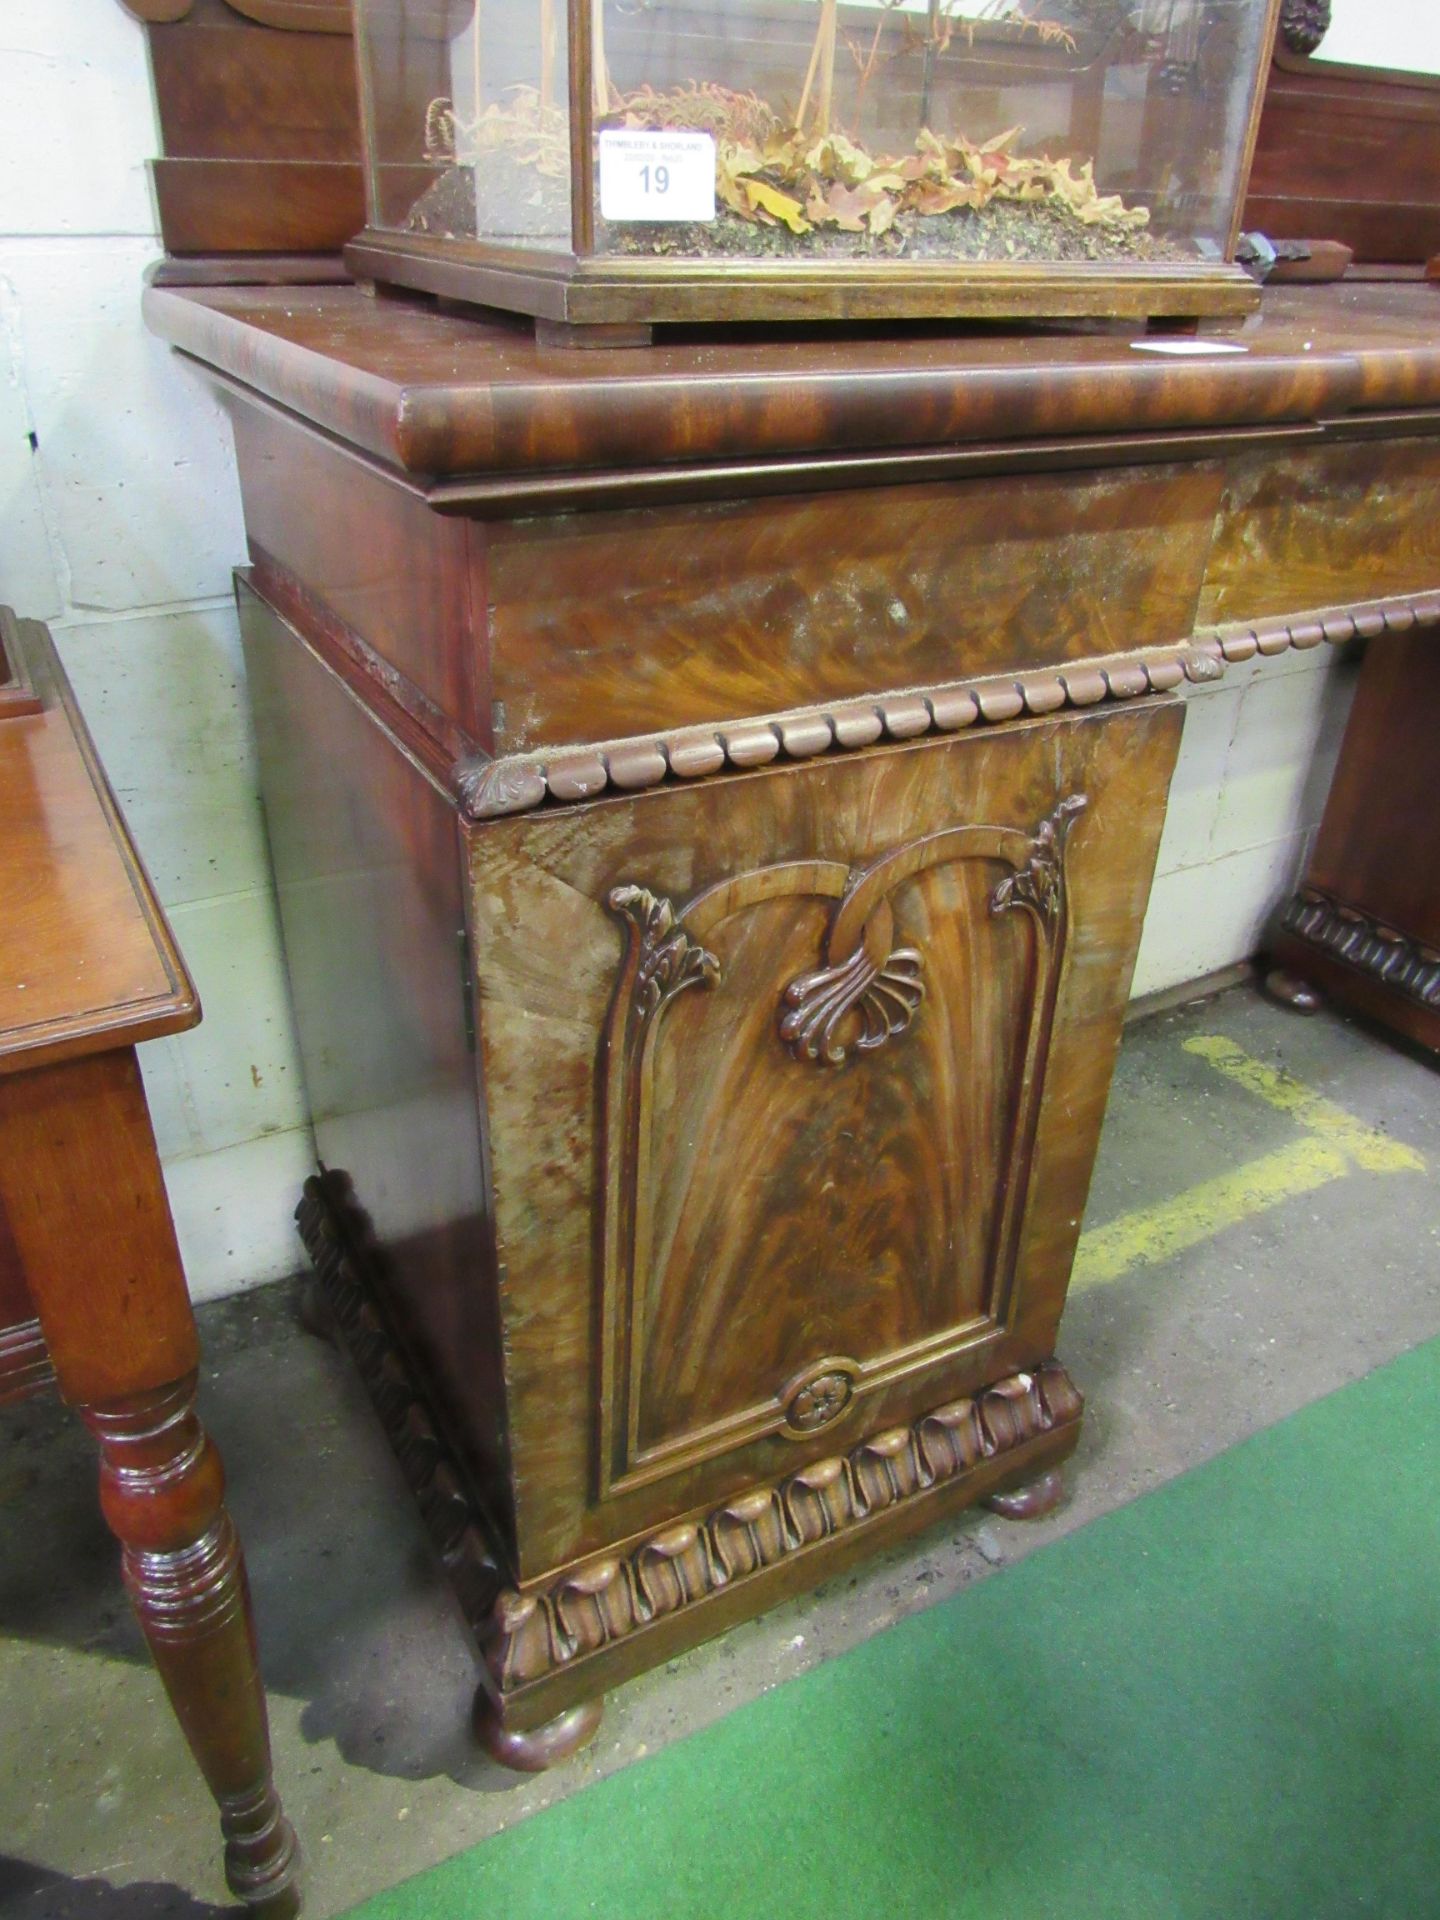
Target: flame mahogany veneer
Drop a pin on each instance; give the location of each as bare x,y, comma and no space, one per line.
714,792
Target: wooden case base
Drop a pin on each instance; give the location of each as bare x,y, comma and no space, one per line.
616,293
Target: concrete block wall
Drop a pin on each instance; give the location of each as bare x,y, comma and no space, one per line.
120,523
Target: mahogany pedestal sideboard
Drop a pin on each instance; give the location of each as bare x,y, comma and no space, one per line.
1365,926
714,791
92,1295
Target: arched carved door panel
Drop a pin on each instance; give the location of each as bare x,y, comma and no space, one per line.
820,1092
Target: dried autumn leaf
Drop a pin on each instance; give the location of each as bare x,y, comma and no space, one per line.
842,206
780,206
738,160
934,198
882,216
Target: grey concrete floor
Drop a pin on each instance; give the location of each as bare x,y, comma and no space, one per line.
1316,1270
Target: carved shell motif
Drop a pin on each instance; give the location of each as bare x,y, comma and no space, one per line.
884,1000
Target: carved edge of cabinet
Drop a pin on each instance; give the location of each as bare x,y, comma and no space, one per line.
1402,965
296,16
332,1230
610,1598
1304,24
865,994
490,789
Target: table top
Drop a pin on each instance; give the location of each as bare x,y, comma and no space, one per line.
438,393
87,962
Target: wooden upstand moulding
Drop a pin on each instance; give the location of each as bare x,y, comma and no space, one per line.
92,1295
714,792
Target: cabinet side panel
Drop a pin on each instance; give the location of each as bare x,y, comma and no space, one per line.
371,554
367,866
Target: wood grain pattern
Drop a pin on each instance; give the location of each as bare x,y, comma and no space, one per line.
609,292
434,394
406,583
1348,156
547,953
614,624
259,117
162,1489
256,206
86,958
367,867
1322,528
577,1617
490,789
778,1129
225,91
907,1156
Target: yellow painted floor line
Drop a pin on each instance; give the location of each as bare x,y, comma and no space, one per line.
1372,1151
1150,1235
1332,1144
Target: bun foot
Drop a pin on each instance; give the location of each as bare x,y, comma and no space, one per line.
1030,1502
1293,992
534,1749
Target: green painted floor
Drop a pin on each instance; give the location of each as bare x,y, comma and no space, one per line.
1223,1700
1262,1231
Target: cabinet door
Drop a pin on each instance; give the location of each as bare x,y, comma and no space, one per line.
794,1082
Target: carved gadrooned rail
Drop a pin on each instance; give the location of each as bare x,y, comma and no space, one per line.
490,789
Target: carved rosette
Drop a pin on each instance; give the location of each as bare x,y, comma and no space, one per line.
591,1607
668,960
885,999
1304,24
820,1396
1040,883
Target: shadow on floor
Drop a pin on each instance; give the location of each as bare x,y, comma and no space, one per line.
35,1893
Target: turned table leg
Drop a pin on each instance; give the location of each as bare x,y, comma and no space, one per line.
162,1488
84,1202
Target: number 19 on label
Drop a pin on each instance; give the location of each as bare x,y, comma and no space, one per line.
653,175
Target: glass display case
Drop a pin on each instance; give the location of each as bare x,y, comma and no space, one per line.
623,162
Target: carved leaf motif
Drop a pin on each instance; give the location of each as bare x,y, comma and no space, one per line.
885,999
1039,882
670,960
685,1565
489,789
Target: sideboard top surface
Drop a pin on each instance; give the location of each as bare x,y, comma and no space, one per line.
439,394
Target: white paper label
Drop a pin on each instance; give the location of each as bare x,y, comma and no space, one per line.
1185,349
655,175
